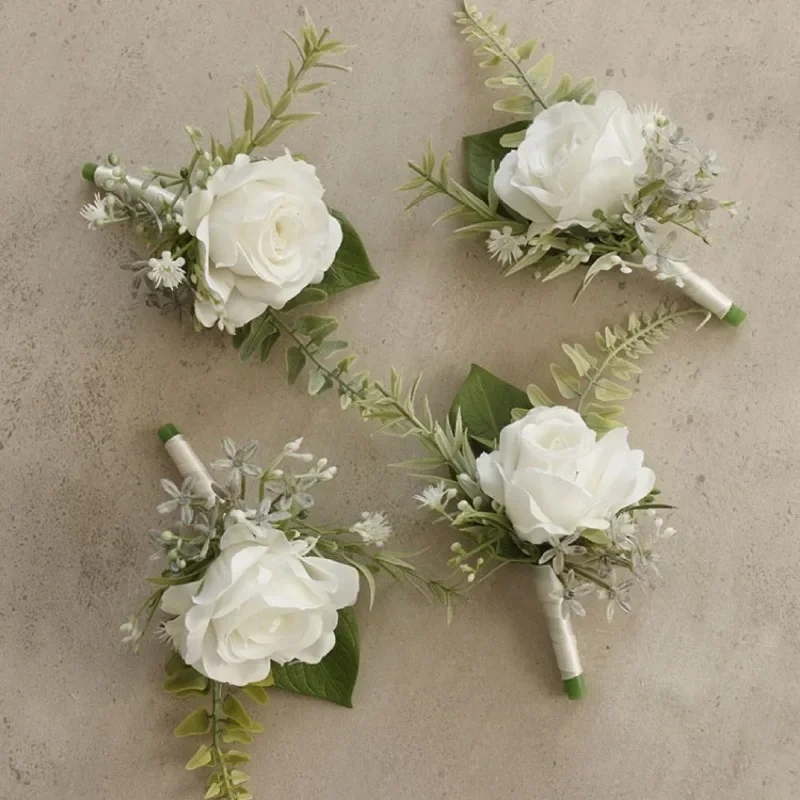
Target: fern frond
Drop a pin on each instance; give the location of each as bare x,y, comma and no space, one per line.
617,347
496,46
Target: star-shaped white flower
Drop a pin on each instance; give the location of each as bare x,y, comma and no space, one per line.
167,271
96,213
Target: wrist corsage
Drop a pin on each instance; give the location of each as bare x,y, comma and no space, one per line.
580,181
235,240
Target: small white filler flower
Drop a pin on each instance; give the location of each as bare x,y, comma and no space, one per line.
374,528
96,213
167,271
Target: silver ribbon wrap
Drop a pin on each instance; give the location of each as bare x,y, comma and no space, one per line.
565,645
703,292
190,466
154,194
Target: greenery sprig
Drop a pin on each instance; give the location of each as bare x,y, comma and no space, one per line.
496,47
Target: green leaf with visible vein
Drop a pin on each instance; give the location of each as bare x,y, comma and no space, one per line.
334,678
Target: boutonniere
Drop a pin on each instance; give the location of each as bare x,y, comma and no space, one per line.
551,485
256,592
580,181
235,239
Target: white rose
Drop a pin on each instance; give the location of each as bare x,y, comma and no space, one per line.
264,234
555,478
574,160
262,600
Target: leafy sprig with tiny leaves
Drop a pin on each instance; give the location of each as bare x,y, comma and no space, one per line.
153,206
279,496
673,193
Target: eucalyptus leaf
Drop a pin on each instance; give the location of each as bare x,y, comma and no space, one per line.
335,676
261,329
486,403
295,361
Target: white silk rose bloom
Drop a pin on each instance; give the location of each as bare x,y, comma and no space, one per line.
555,478
574,159
264,234
262,600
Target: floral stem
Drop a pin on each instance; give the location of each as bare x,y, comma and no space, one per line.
219,761
636,336
332,375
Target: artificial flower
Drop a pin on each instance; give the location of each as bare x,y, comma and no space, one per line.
263,600
264,234
556,479
575,159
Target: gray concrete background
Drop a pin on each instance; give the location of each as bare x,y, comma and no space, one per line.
693,696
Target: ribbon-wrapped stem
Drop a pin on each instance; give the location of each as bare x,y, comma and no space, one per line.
565,645
155,195
705,294
186,461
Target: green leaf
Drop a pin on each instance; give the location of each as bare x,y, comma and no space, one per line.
316,328
200,759
261,329
568,385
233,733
579,359
248,113
174,664
295,361
607,391
599,423
234,710
186,681
309,296
537,397
486,403
595,536
525,50
236,757
481,149
257,693
316,382
268,343
195,724
518,104
335,676
351,267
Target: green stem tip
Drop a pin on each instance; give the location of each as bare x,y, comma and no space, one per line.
735,316
166,432
575,688
88,170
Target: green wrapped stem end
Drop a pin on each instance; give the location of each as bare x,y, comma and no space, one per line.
575,688
166,432
88,170
735,316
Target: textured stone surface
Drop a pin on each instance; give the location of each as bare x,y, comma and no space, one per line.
693,696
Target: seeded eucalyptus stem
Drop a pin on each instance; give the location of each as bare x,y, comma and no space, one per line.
640,335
